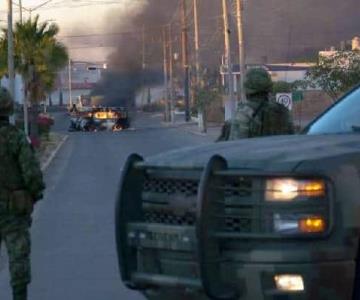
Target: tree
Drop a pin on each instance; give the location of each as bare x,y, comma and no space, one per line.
336,74
38,57
207,92
282,87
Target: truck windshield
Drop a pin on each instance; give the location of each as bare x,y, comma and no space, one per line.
344,117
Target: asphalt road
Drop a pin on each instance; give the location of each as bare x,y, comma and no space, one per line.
73,253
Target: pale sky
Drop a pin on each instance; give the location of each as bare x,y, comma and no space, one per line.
80,17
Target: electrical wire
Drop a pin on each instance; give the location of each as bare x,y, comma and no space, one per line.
79,4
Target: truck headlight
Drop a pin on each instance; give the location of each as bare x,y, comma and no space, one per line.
299,223
287,189
313,224
289,283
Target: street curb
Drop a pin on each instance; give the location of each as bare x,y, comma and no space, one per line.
196,133
53,154
184,126
176,125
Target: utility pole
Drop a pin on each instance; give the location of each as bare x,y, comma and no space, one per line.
197,42
26,95
171,75
166,84
143,48
70,87
11,68
230,104
61,99
201,116
21,11
27,99
240,25
143,65
185,58
26,114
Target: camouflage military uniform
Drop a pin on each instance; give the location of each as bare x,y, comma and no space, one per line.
258,116
21,185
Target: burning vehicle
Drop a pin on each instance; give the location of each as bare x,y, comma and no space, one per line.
100,119
122,120
255,219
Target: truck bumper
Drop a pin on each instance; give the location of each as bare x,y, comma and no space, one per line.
322,281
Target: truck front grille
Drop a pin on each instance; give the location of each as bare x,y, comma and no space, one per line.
170,201
159,205
187,188
170,218
238,187
241,196
238,224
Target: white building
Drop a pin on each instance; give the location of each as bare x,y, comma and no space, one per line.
19,87
279,72
84,76
287,72
355,43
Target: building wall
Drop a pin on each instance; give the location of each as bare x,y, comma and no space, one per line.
19,87
285,75
355,43
80,75
55,96
288,76
84,76
157,93
314,103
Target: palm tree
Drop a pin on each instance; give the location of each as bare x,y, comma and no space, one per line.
38,57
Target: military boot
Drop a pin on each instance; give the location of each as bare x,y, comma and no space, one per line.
20,293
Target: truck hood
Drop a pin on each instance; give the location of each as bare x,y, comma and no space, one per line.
276,153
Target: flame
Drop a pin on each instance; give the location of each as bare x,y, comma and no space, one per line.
117,128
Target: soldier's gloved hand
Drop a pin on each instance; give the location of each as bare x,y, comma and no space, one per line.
21,203
38,198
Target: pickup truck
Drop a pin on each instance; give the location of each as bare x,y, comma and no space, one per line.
269,218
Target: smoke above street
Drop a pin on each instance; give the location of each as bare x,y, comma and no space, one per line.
275,31
137,60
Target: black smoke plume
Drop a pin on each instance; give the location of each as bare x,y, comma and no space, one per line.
275,31
127,73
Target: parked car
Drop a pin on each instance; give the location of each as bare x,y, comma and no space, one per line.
255,219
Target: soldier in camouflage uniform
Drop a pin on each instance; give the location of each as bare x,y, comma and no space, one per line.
21,185
259,116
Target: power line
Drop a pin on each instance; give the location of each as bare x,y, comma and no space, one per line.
90,47
210,34
70,4
134,32
32,8
177,9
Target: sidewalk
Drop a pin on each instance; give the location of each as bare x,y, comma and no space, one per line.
213,129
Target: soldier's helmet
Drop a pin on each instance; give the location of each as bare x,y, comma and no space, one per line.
6,103
258,81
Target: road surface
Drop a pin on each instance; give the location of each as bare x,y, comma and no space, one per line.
73,239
